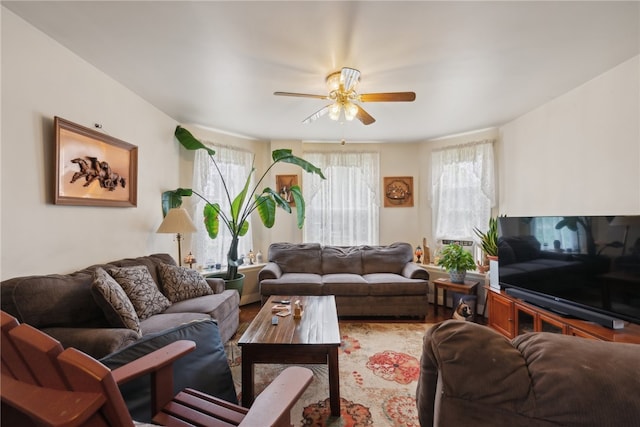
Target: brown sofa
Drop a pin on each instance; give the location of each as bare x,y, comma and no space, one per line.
471,375
67,306
366,280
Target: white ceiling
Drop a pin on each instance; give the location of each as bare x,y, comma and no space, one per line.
472,65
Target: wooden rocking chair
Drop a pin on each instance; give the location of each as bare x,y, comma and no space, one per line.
46,385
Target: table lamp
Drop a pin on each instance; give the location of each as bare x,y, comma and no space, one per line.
177,221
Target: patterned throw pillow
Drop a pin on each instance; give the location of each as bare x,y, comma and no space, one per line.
181,283
141,290
113,300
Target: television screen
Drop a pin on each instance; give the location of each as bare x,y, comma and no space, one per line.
591,262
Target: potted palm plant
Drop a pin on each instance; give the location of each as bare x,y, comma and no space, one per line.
456,261
488,243
243,204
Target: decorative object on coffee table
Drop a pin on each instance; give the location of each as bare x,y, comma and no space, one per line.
457,261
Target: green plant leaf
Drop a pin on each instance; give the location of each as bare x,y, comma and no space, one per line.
296,192
211,219
266,208
189,141
285,156
173,199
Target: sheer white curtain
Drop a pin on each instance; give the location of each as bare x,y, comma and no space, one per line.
235,166
344,208
462,189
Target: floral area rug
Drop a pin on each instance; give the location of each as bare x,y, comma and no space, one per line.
379,365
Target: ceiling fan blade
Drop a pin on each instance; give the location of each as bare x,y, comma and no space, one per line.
300,95
349,77
364,117
388,97
321,112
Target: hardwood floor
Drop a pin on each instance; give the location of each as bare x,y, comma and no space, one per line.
249,311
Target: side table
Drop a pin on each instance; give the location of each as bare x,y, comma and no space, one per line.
469,287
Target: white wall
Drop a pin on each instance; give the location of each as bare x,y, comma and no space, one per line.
42,79
578,154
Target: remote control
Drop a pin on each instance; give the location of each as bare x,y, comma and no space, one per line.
274,320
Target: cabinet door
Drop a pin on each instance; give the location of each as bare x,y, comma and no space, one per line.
501,314
525,318
549,324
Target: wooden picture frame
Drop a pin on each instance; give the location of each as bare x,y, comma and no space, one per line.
398,191
93,169
283,182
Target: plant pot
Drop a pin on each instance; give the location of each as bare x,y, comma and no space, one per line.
237,283
457,276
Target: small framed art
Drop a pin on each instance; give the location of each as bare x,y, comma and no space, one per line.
284,184
398,191
93,169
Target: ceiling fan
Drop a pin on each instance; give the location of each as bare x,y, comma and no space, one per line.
344,97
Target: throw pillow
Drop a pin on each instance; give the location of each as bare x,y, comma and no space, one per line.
141,290
181,283
113,301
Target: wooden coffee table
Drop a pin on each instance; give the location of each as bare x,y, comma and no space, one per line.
313,339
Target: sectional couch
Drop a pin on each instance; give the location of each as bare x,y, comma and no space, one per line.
471,375
366,280
106,307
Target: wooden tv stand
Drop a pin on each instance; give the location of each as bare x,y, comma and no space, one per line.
511,317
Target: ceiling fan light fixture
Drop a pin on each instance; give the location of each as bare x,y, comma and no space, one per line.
333,81
350,110
334,111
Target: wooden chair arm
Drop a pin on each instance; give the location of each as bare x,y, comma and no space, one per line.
273,406
159,365
154,361
62,409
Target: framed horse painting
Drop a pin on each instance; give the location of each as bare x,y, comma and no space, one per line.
92,168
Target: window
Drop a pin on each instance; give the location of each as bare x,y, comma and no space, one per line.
344,208
206,180
462,193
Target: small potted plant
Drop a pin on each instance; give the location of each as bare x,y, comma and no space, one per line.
456,261
488,243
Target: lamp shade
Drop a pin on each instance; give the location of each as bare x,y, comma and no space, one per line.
177,221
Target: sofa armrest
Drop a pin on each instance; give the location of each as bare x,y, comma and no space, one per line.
412,270
270,271
471,364
96,342
216,284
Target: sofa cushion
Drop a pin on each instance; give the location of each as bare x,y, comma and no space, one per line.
141,290
159,322
293,284
341,259
344,284
181,283
56,300
382,284
386,259
218,306
296,258
113,300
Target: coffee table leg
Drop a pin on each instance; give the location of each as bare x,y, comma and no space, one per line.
247,381
334,382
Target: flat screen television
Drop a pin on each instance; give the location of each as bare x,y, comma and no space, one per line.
583,266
